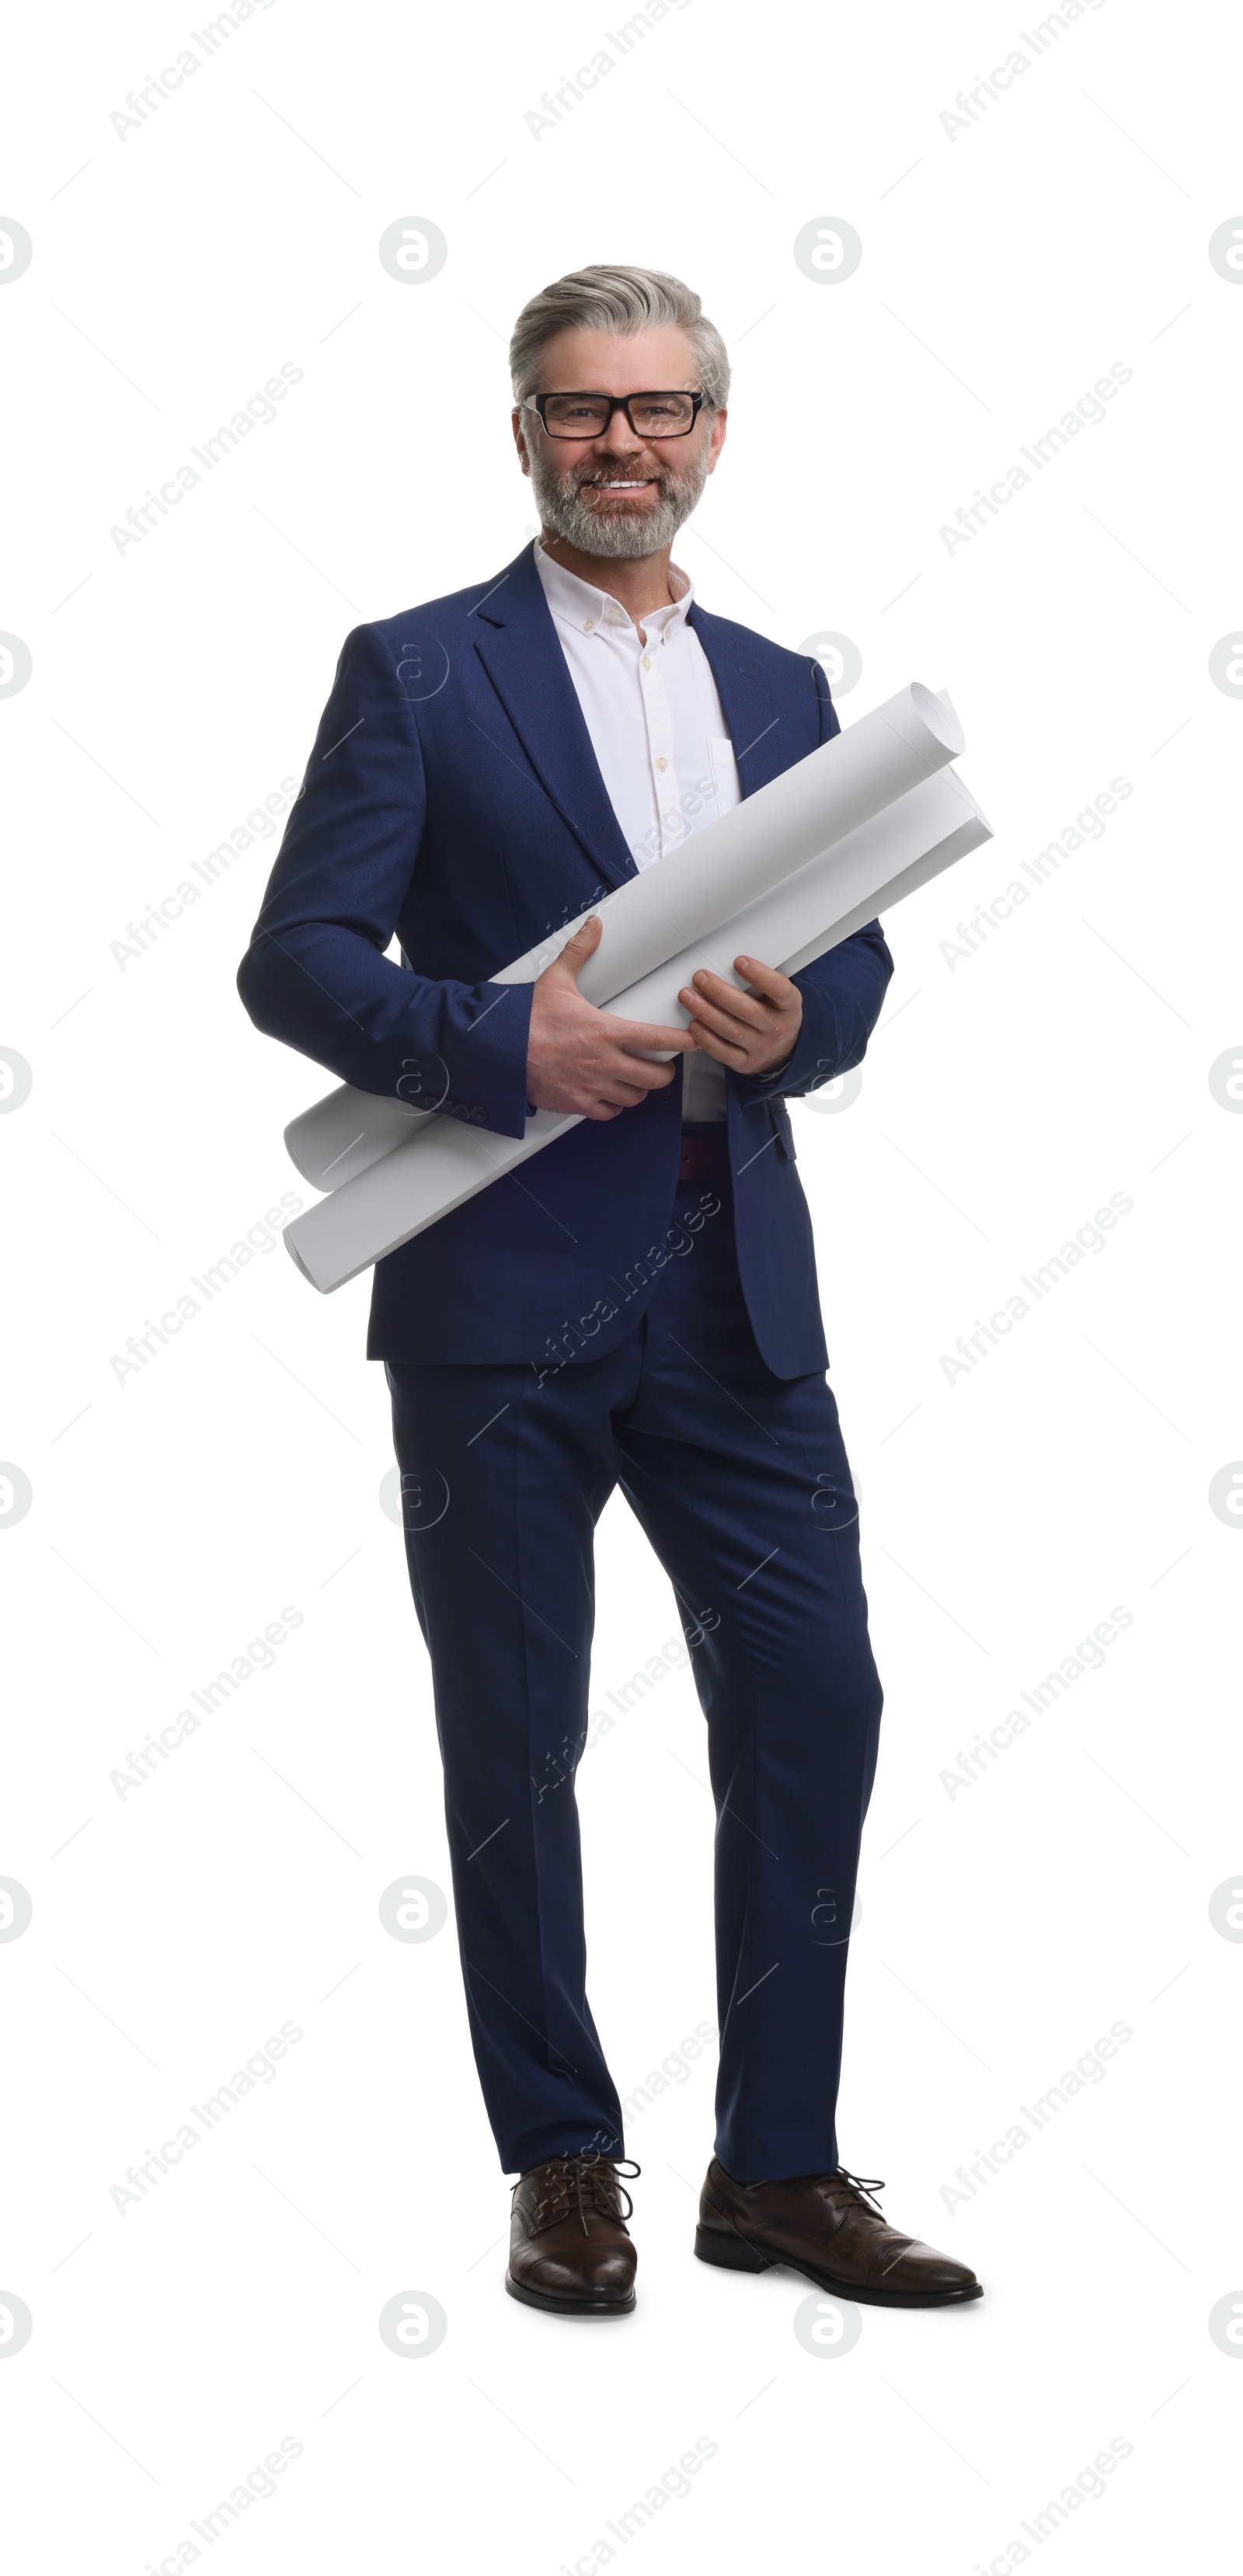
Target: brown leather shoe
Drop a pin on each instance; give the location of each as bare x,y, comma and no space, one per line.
569,2248
824,2226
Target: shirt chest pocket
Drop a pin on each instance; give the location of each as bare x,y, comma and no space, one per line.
723,771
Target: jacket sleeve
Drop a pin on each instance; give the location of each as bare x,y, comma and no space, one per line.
315,974
842,993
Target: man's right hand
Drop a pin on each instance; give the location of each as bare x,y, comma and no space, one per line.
581,1059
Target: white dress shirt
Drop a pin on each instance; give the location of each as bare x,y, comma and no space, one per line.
658,732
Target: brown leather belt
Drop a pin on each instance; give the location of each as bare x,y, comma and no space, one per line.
705,1151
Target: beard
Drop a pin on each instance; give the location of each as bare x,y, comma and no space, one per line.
613,529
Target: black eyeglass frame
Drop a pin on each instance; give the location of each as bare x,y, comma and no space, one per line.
616,402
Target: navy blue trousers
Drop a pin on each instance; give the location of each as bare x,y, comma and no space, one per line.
741,1483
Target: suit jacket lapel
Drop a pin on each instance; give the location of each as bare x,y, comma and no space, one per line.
517,642
759,735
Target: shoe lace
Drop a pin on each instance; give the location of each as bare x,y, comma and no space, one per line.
597,2176
860,2186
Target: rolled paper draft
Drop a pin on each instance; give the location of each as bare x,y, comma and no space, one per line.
419,1169
695,888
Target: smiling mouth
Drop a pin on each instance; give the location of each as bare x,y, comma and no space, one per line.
596,484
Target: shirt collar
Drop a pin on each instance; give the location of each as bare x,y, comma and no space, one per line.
580,605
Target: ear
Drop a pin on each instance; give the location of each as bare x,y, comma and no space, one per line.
716,437
517,421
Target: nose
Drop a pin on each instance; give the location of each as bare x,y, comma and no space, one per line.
619,439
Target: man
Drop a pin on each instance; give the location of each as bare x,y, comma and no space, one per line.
638,1306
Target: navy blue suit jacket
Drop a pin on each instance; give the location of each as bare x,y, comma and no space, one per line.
453,797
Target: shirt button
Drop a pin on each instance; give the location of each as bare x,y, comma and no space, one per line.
590,622
647,661
661,762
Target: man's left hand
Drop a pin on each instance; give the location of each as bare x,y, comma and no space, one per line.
753,1031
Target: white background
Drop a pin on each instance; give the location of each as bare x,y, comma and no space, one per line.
1004,1098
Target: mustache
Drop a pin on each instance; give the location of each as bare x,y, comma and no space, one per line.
577,478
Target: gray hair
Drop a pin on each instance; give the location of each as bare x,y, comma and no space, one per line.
624,300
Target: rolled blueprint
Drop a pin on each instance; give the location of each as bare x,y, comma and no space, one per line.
654,915
718,872
787,875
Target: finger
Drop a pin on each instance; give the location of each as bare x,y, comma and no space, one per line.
727,997
623,1095
638,1034
723,1051
731,1024
568,966
638,1071
767,979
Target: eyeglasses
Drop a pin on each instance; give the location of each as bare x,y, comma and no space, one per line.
651,415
